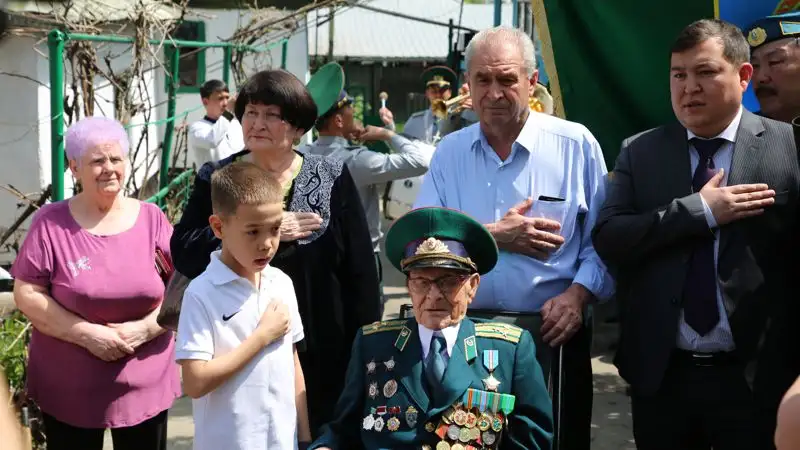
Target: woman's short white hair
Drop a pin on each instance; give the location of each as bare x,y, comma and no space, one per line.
504,35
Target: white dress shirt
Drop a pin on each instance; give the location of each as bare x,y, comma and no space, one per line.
720,337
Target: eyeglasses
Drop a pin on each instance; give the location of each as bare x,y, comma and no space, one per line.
447,284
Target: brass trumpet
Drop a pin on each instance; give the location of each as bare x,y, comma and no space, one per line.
541,100
441,108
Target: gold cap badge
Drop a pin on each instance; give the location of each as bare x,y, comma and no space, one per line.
756,36
431,246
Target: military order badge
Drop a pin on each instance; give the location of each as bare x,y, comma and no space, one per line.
373,390
411,416
369,422
393,424
390,388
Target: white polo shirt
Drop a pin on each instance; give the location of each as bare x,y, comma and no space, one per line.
255,409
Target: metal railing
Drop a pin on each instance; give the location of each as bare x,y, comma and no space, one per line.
55,43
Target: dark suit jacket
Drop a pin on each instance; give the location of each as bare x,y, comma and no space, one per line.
650,223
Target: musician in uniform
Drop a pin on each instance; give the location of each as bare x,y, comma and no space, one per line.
369,169
775,55
461,116
440,380
424,125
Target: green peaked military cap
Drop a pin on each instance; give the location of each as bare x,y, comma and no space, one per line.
773,28
441,76
326,87
440,237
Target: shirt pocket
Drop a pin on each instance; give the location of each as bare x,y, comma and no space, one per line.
561,211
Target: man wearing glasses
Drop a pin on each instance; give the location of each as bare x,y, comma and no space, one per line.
441,380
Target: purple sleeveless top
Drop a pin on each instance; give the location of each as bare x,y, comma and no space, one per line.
104,279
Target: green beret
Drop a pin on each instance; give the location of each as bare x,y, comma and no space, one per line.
326,87
773,28
440,237
441,76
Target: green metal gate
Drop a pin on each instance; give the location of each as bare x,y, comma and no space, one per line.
55,42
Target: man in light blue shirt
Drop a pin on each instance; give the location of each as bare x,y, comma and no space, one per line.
537,183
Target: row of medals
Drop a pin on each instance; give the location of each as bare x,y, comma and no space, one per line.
370,422
467,429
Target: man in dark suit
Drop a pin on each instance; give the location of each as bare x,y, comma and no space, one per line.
700,224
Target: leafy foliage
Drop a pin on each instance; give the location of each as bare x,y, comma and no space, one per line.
14,332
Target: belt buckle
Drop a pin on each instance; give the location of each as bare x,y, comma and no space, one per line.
703,359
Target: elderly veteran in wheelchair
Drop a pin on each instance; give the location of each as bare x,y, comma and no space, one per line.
441,380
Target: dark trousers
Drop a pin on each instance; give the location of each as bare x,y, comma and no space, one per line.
148,435
575,417
699,408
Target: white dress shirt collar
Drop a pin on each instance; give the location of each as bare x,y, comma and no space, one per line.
729,133
426,334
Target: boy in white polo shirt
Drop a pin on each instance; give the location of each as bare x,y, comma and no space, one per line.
239,364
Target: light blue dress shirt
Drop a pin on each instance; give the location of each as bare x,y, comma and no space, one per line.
720,337
551,157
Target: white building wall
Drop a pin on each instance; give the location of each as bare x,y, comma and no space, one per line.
22,123
25,109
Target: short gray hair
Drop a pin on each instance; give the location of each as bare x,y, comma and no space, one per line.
504,34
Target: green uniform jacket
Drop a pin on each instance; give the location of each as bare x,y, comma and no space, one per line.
530,424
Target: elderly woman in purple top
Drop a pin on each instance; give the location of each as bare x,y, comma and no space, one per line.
87,281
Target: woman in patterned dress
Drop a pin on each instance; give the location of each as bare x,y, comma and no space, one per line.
326,247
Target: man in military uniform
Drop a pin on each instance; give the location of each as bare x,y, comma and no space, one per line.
441,380
423,125
775,47
368,168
